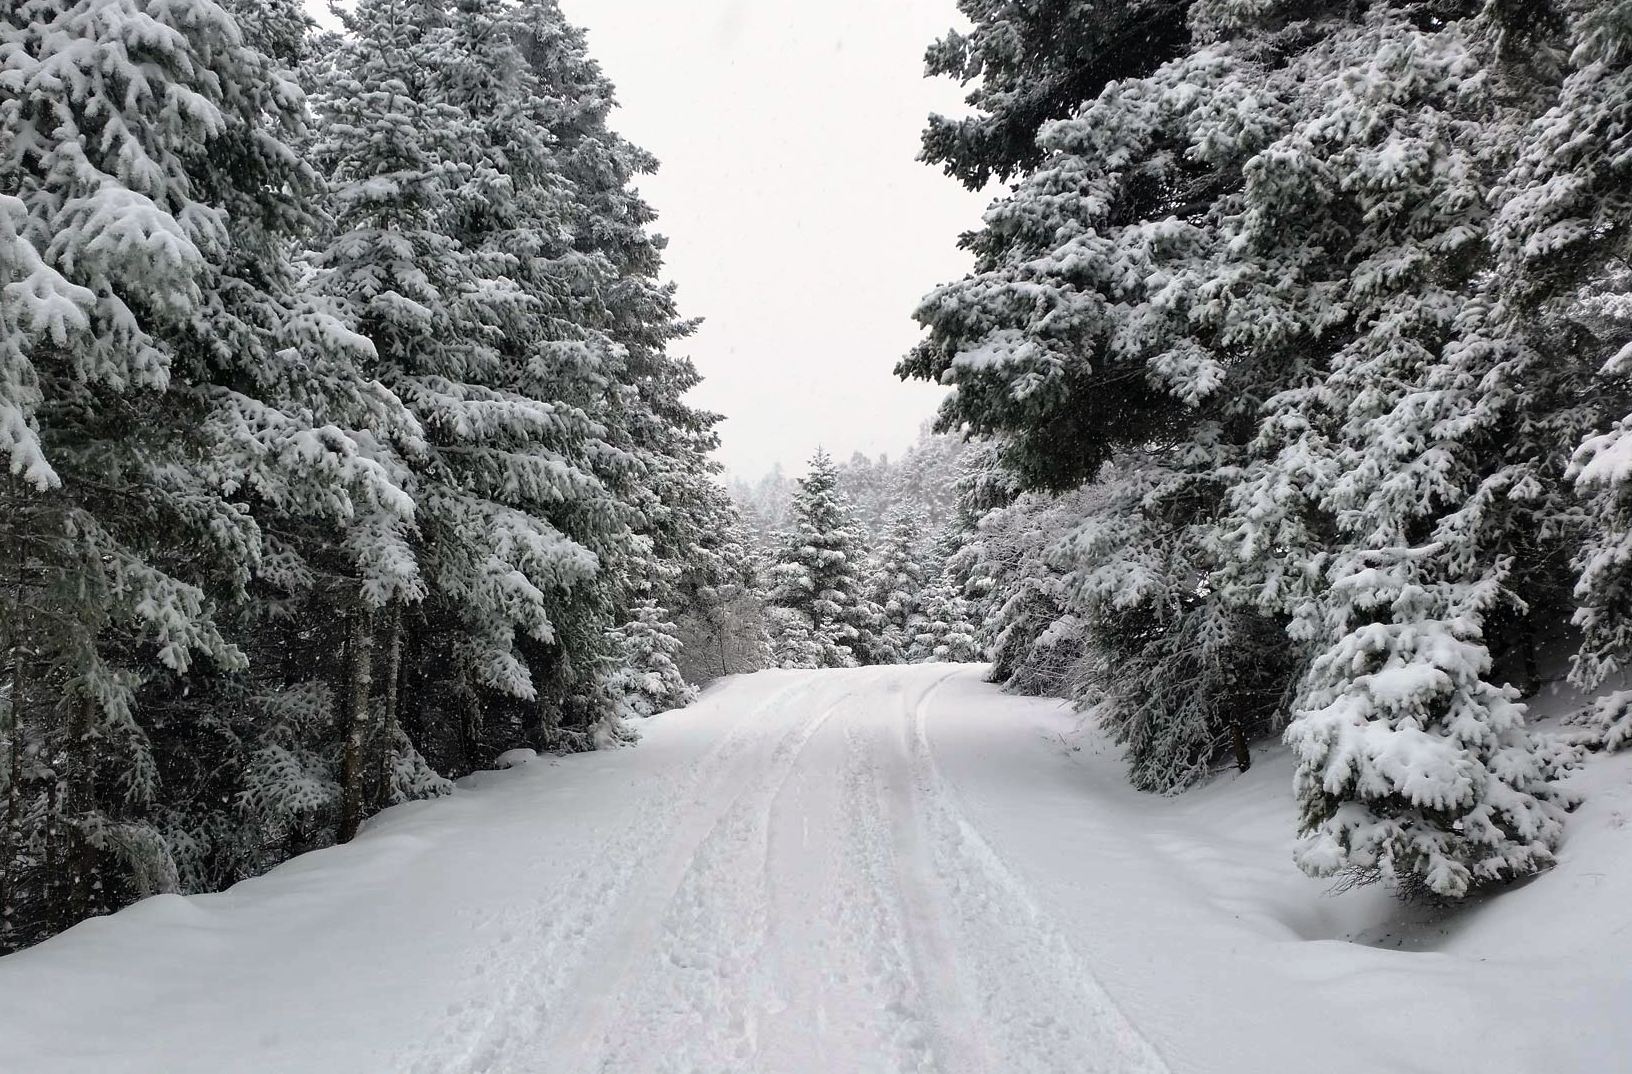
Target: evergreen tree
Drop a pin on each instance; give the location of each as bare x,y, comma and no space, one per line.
721,621
1563,237
444,200
647,679
868,485
765,505
897,580
1255,295
658,445
169,394
1425,463
821,618
617,262
946,629
927,475
277,523
1036,62
1602,476
1080,344
1036,645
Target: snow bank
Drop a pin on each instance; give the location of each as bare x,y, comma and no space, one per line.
1191,912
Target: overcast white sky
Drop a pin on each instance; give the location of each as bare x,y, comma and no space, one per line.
801,226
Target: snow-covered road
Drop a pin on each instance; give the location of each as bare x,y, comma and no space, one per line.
778,879
878,870
806,895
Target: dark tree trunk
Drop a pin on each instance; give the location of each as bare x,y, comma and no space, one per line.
388,718
411,701
80,800
1238,740
544,714
359,685
1532,668
11,840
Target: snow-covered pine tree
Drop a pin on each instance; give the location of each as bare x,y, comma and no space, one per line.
168,391
339,554
765,505
868,484
1034,62
980,489
946,625
659,464
1081,341
631,305
1410,501
923,477
926,474
445,198
796,642
821,618
1604,479
1095,601
646,678
213,465
897,580
1256,281
1564,237
721,618
1035,644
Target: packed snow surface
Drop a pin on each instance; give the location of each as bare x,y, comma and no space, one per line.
875,870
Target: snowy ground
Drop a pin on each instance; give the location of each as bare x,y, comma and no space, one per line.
888,869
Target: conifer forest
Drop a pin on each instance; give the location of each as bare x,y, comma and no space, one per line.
395,680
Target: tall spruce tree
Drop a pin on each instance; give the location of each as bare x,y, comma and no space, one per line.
444,197
898,577
820,617
169,394
1564,237
1253,294
624,296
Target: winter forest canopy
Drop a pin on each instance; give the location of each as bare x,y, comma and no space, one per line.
1298,349
345,405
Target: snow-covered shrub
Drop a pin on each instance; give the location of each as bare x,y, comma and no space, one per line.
646,679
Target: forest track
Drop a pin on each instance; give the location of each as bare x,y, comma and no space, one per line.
674,976
1037,1006
552,955
777,880
868,871
833,909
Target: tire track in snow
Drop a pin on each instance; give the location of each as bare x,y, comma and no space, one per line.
844,993
696,1003
1038,1006
671,950
874,920
520,986
949,1016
